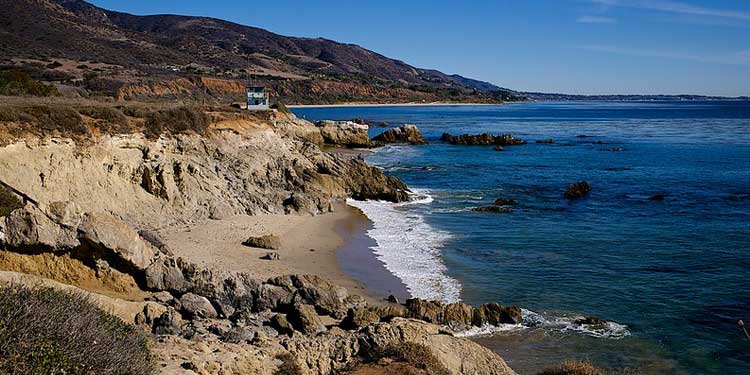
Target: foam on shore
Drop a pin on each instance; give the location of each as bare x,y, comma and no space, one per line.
562,324
410,248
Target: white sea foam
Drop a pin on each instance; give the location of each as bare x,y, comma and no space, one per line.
564,324
410,248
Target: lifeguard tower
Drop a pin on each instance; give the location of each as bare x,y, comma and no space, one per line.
257,98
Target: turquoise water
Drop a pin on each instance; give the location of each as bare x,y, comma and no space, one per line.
671,275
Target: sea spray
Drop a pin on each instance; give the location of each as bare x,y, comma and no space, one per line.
410,248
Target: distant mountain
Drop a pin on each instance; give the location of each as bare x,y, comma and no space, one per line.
104,52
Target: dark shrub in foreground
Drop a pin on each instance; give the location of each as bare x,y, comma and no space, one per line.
47,331
176,121
280,107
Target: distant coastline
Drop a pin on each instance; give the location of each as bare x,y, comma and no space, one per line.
431,104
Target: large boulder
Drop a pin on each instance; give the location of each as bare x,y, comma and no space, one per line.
31,228
405,134
111,239
344,133
195,306
305,319
268,241
494,314
328,299
359,317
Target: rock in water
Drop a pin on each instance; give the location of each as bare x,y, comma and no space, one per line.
484,139
268,241
505,202
499,148
405,134
657,197
577,190
495,209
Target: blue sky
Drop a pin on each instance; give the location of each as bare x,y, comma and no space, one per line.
571,46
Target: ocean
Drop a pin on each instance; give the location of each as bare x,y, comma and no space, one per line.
671,276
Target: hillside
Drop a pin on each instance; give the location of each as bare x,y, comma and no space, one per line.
103,52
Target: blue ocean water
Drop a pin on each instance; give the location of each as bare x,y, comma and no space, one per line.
673,274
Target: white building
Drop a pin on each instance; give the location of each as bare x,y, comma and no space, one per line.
257,98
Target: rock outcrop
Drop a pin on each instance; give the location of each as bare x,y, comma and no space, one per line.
577,190
344,133
268,241
404,134
484,139
240,166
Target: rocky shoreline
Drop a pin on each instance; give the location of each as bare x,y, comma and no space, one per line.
94,205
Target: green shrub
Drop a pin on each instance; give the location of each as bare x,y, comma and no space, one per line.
64,120
8,201
176,121
18,82
110,120
47,331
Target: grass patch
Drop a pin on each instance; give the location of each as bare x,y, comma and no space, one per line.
176,121
18,83
47,331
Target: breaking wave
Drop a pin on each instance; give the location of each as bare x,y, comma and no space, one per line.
410,248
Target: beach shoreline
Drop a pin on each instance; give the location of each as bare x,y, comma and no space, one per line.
331,245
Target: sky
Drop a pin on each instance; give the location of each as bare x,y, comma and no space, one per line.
568,46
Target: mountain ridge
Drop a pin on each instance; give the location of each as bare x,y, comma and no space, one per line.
153,49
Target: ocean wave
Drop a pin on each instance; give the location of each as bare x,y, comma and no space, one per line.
562,324
410,248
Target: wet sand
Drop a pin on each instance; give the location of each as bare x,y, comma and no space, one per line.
332,245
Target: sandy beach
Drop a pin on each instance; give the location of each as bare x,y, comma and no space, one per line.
325,245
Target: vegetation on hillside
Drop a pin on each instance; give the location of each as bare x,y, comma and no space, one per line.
17,82
48,331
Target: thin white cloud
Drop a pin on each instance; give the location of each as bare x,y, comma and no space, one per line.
677,8
736,58
596,19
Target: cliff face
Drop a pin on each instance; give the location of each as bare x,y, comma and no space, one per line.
240,166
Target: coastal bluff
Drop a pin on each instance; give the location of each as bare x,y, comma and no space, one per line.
105,205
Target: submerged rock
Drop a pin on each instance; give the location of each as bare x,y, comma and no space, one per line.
505,202
657,197
269,241
577,190
484,139
405,134
546,141
495,209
